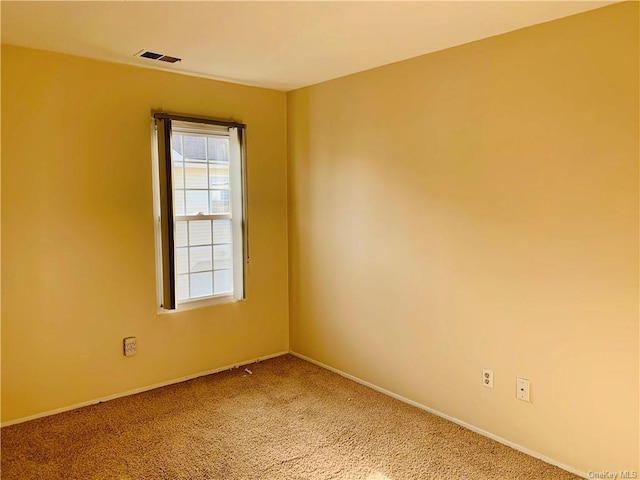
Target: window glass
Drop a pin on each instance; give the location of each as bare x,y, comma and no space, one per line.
194,148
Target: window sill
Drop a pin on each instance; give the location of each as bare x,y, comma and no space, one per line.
201,303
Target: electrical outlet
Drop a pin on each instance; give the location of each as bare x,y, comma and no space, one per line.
129,346
487,378
523,389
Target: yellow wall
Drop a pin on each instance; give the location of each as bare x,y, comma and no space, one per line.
78,271
478,207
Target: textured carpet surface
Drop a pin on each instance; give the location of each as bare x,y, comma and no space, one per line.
289,419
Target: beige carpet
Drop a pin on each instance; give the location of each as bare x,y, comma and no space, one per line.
288,420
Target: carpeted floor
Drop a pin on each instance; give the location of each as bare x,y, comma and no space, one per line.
289,419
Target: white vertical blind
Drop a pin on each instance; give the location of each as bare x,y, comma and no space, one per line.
237,210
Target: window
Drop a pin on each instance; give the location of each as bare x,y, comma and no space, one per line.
200,206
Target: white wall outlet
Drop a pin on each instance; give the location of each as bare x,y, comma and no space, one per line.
487,378
130,346
523,389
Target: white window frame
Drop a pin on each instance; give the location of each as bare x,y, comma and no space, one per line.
162,125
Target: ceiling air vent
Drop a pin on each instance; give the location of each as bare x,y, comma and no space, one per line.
158,57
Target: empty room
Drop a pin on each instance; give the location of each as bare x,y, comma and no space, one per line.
320,240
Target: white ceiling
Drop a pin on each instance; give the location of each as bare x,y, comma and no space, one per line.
280,45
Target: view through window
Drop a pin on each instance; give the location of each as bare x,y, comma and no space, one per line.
207,210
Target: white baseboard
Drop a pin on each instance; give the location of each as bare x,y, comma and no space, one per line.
466,425
138,390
